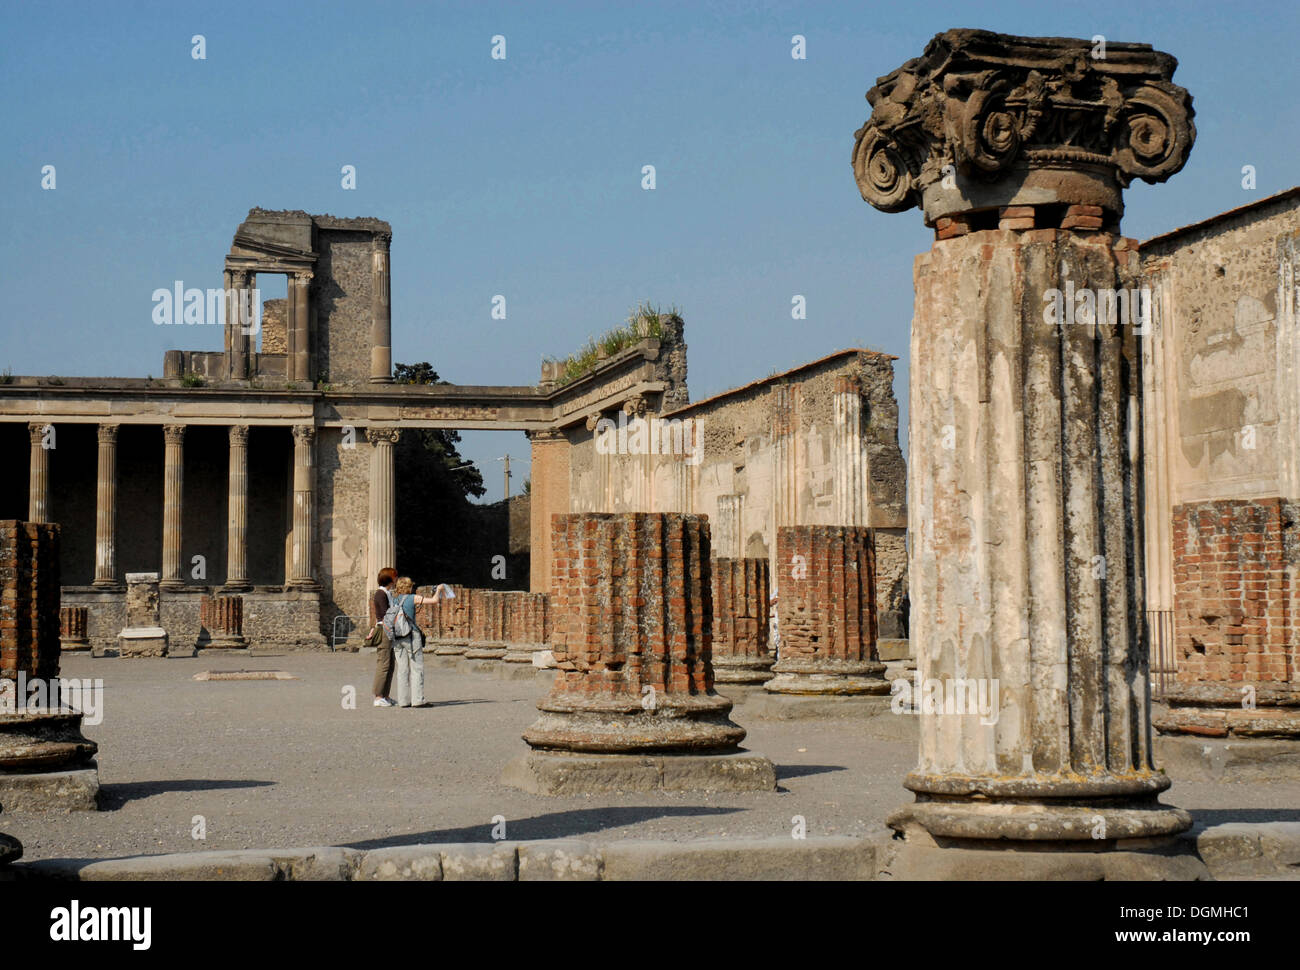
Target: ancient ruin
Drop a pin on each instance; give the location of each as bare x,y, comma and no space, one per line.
741,594
1025,431
633,706
45,761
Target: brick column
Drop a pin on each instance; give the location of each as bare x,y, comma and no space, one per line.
382,538
173,492
72,629
106,508
826,592
381,336
237,510
740,607
631,634
304,502
1025,438
452,624
223,619
38,492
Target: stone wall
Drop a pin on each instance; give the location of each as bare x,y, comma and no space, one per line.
817,445
342,299
342,513
1237,586
273,336
29,599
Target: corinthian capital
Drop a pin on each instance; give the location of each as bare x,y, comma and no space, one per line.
983,120
383,435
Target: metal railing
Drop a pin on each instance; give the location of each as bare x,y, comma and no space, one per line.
1163,656
351,626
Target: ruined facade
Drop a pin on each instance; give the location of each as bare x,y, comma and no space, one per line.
1223,442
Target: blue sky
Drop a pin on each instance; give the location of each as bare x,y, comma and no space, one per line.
522,177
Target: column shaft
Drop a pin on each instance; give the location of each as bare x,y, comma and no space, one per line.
304,489
381,359
106,508
301,356
38,498
237,510
382,543
173,497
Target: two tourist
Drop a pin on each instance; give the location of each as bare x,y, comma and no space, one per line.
398,639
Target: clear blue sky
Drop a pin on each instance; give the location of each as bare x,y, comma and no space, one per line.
522,177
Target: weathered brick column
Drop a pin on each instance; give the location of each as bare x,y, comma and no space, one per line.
222,617
826,604
631,628
1025,429
740,608
45,761
525,626
486,621
453,624
72,629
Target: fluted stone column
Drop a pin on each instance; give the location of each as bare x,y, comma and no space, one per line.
304,502
301,362
633,705
106,508
740,624
38,499
382,536
237,510
381,336
173,492
1026,428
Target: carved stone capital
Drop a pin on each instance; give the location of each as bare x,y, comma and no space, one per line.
239,434
304,277
982,120
389,436
555,434
107,434
174,434
382,241
37,431
304,434
635,406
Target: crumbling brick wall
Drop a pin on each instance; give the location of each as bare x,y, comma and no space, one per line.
1236,564
29,599
740,608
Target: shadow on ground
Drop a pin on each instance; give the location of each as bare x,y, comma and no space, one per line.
554,825
115,796
798,771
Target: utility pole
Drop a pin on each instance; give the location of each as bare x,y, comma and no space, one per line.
506,458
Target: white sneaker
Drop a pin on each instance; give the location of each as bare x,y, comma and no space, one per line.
383,702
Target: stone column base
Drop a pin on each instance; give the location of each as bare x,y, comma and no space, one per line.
143,641
74,646
742,670
792,707
44,740
224,643
450,648
913,861
828,677
1068,812
485,650
1249,760
522,653
74,790
555,773
11,850
618,725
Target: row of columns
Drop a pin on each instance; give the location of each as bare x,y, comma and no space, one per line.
240,283
304,487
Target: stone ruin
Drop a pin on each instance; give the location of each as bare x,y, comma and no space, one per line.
1017,150
633,706
45,761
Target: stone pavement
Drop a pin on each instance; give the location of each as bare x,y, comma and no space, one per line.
280,764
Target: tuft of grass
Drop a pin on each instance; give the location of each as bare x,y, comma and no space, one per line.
6,376
192,380
645,320
54,381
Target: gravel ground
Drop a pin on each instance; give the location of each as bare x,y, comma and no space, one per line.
283,764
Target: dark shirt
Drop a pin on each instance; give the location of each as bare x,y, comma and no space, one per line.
379,604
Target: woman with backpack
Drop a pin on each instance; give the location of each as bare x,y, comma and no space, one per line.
377,638
408,641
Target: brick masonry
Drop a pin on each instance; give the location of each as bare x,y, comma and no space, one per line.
826,590
29,599
1236,590
740,620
